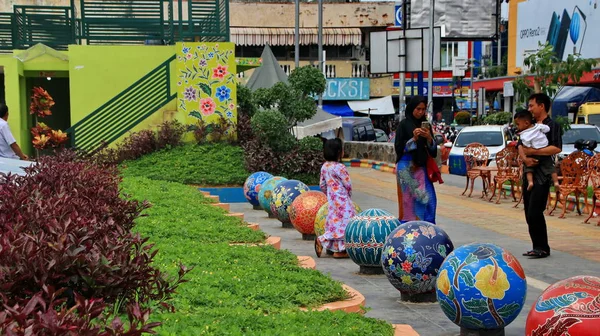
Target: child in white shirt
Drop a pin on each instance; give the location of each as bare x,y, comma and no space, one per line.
534,135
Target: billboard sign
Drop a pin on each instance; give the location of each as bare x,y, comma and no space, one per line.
465,19
347,89
567,25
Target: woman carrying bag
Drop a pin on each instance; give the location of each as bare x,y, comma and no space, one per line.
416,169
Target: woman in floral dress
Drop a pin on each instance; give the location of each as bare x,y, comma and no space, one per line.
335,182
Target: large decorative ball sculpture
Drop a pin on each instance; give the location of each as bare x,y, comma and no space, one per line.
569,307
481,288
304,210
321,218
252,187
412,256
283,195
365,237
266,192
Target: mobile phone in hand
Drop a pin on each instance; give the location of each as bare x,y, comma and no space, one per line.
426,124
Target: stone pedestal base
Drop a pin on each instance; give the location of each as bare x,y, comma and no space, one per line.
256,207
306,236
287,225
371,270
272,216
418,298
481,332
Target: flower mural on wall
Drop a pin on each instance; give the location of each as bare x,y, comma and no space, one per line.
206,83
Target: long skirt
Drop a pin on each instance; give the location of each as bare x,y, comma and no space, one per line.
416,194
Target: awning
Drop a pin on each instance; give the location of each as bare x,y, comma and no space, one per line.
245,36
319,123
379,106
342,110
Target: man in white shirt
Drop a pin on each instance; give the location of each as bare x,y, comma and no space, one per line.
8,145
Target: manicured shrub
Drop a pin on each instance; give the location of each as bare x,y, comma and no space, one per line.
498,118
138,144
65,226
462,118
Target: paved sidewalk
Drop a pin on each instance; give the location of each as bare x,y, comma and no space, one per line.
569,235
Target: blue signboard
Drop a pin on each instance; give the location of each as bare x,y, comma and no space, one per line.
347,89
398,15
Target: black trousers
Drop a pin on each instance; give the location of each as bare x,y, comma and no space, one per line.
535,201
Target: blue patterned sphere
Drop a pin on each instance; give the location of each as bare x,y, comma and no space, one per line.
283,195
481,286
365,236
253,184
412,256
266,192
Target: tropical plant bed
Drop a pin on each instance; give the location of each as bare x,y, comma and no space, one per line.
234,289
205,165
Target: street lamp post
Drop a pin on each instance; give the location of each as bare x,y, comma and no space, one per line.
431,54
320,42
297,36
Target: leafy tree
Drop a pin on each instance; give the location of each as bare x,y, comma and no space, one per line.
550,74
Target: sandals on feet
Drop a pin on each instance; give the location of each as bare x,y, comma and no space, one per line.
536,254
318,247
340,255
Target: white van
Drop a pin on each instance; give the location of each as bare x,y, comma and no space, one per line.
494,137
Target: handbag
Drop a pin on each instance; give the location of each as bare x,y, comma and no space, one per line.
433,172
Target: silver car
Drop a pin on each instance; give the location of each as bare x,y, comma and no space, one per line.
578,131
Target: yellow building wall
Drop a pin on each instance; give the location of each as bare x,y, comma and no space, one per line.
512,37
98,73
14,84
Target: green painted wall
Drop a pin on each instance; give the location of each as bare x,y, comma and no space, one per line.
14,85
98,73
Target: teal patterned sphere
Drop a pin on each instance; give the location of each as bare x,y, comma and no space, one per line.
266,192
481,286
283,195
365,236
253,184
412,256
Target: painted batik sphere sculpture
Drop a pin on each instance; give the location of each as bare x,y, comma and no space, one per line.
412,256
266,192
568,307
321,218
283,195
252,187
304,210
481,287
365,236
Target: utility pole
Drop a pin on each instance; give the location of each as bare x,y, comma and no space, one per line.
471,69
320,42
297,36
430,59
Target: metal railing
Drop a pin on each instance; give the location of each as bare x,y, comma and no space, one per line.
205,20
6,31
53,26
124,111
134,21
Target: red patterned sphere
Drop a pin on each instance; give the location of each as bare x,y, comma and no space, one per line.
304,210
569,307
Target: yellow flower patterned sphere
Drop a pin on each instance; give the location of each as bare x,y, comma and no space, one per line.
481,287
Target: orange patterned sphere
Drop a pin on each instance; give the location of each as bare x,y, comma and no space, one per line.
304,210
321,218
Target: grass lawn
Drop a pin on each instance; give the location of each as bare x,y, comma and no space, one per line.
206,165
234,290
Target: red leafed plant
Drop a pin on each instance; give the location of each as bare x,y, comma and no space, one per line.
41,102
45,137
66,243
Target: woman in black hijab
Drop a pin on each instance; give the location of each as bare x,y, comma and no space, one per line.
414,145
